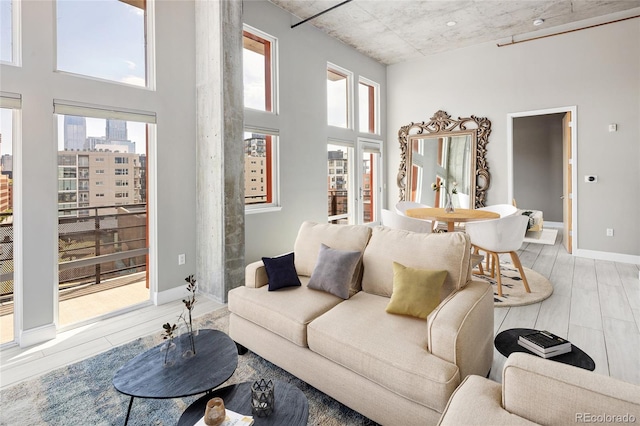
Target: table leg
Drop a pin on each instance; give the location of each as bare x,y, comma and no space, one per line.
450,226
126,420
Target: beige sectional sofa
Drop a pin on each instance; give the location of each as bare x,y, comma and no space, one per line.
394,369
541,391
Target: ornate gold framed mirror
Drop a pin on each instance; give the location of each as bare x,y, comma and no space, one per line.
448,153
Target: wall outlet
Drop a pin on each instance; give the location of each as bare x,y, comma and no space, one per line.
609,232
182,259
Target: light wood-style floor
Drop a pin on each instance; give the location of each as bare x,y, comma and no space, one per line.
595,304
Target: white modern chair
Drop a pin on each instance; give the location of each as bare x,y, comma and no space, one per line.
394,220
403,206
502,209
497,236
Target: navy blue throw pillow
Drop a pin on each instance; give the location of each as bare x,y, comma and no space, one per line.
281,272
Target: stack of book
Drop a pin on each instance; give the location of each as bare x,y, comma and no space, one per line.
544,344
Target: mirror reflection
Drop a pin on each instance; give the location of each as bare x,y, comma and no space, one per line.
444,151
445,161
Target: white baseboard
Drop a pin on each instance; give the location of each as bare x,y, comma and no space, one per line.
171,295
604,255
547,224
33,336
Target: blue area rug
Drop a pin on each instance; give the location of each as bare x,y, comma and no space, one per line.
82,394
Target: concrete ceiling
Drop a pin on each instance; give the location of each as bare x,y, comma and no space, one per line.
393,31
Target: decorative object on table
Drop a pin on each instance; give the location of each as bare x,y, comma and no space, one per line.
214,412
448,206
262,398
544,343
169,347
187,319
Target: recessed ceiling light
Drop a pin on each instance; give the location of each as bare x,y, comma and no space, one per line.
538,22
451,23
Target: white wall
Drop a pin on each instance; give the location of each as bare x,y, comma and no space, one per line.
303,54
598,70
174,160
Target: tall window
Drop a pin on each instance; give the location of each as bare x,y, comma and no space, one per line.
338,96
102,227
104,39
258,69
339,183
260,170
6,30
6,225
368,106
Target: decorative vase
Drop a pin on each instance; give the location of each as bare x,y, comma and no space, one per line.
214,413
448,207
262,398
169,351
188,341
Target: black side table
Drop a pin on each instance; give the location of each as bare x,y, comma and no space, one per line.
506,342
145,376
291,406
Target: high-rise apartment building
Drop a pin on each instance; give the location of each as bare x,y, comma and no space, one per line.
75,133
116,130
99,178
255,170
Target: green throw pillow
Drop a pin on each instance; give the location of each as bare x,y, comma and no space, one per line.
416,292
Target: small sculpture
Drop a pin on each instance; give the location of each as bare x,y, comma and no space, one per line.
214,414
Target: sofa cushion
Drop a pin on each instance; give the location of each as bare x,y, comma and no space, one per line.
281,272
334,270
285,312
447,251
390,350
416,292
339,237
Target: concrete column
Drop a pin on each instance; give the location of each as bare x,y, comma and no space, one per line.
219,147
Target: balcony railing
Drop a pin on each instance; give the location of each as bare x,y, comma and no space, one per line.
94,244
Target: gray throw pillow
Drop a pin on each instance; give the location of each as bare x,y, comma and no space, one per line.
334,270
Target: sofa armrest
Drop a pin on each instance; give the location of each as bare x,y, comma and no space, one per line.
255,275
460,329
478,401
568,394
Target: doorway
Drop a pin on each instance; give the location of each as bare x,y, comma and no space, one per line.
541,152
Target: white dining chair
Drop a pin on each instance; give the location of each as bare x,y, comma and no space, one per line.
394,220
502,209
504,235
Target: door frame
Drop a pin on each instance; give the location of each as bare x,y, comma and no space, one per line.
574,160
361,145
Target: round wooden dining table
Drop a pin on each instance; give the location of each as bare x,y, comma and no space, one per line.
458,215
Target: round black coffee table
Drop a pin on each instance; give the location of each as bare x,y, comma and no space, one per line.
506,342
145,376
291,406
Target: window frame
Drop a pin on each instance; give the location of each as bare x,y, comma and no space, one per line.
271,67
16,34
336,69
149,56
351,190
374,107
273,173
